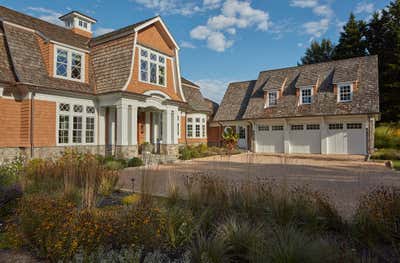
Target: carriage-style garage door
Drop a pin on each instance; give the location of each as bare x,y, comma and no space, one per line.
346,138
269,139
305,138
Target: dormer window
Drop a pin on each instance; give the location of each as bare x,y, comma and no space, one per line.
345,92
152,67
272,99
83,24
68,64
306,95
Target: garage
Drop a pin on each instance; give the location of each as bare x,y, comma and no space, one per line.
269,139
305,138
346,138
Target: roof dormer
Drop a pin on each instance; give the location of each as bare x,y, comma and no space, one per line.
79,23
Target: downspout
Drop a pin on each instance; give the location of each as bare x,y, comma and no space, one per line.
32,119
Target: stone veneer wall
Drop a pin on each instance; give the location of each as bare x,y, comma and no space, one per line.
169,149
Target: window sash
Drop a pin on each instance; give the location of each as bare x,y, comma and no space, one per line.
306,96
190,130
69,64
345,93
272,98
152,67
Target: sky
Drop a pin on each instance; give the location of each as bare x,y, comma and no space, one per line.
221,41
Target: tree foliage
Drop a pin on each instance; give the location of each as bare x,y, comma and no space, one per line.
379,36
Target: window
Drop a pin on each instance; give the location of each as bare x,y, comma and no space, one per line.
76,124
354,126
69,64
196,127
152,67
345,93
272,98
297,127
242,132
263,128
90,130
178,126
277,128
83,24
190,127
336,126
63,129
306,95
313,127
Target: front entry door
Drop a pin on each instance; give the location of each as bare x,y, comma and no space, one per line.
242,132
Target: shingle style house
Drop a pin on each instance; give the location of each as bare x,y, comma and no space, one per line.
60,87
322,108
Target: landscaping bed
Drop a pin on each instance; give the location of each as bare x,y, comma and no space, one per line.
71,211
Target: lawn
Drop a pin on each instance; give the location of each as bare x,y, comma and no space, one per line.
63,216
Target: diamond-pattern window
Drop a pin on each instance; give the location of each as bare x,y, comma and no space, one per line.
69,64
152,67
62,63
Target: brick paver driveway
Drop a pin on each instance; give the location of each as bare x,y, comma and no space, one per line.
343,178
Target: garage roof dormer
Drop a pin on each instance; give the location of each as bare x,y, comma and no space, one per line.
79,23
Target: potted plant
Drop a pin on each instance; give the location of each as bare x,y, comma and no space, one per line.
230,139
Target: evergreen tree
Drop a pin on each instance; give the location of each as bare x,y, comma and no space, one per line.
352,41
317,52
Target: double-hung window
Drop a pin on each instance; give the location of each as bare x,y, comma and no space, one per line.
345,93
272,98
152,67
69,64
306,95
196,127
76,124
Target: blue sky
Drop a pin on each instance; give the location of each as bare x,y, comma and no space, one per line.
221,40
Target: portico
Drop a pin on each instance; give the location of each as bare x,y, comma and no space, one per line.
126,122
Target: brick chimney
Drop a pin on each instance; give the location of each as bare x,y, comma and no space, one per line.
79,23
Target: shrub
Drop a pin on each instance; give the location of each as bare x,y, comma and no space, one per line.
179,227
131,199
377,217
185,153
114,165
10,172
135,162
288,244
387,136
386,154
108,183
208,249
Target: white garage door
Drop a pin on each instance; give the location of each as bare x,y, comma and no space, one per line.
346,138
269,139
305,138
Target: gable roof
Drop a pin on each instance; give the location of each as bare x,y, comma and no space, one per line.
48,30
194,97
363,71
235,101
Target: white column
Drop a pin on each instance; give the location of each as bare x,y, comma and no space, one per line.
147,126
111,126
134,126
286,136
130,132
101,138
122,124
167,127
174,135
324,136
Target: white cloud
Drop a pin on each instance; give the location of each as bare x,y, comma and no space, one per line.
212,88
323,10
186,44
317,28
235,14
218,42
304,3
212,4
46,14
364,7
102,30
300,44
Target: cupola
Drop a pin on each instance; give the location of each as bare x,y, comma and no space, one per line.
79,23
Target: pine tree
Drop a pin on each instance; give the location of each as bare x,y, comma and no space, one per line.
317,52
352,41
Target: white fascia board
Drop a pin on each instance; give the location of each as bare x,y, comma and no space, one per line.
132,62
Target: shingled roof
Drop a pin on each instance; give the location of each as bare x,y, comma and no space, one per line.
235,101
363,70
193,96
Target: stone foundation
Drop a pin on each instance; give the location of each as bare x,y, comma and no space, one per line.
169,149
126,151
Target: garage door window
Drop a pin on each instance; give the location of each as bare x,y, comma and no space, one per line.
277,128
354,126
336,126
263,128
297,127
313,127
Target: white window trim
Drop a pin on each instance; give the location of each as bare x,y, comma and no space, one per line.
301,95
194,123
71,115
340,85
148,66
69,54
277,98
1,92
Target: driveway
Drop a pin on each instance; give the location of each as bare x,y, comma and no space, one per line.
343,178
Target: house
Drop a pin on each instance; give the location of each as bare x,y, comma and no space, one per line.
326,108
61,87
